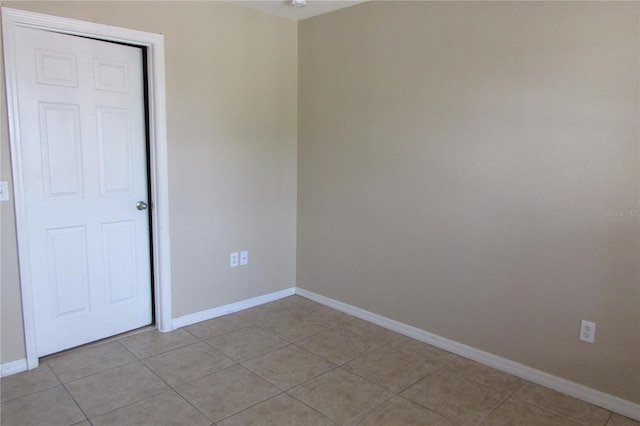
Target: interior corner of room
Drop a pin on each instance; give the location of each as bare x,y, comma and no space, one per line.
465,170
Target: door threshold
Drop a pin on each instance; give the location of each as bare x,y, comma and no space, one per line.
99,342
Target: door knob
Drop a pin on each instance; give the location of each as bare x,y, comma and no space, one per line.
141,205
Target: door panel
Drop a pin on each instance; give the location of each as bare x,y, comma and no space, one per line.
84,168
115,150
120,260
61,150
68,270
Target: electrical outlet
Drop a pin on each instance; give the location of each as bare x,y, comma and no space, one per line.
244,258
587,331
233,262
4,191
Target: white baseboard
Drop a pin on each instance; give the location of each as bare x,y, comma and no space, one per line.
604,400
13,367
231,308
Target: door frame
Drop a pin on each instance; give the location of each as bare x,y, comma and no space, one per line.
158,167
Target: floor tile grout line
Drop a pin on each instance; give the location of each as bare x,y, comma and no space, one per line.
52,371
267,353
235,330
315,354
161,352
186,346
377,384
500,404
382,343
314,409
218,351
204,339
206,375
190,404
457,374
333,367
551,410
61,385
190,333
427,408
363,414
404,356
422,405
75,402
354,331
349,360
103,371
608,419
310,380
129,404
94,344
157,375
125,348
254,357
249,407
239,363
259,402
344,369
466,379
92,374
572,420
3,401
289,340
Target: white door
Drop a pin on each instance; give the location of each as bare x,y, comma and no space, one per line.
84,169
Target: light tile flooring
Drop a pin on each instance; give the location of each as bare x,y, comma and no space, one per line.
290,362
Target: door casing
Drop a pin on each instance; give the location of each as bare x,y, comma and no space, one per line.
158,167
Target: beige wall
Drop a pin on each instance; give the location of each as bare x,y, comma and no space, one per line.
455,163
231,79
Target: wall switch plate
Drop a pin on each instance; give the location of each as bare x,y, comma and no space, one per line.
233,260
244,257
4,191
587,331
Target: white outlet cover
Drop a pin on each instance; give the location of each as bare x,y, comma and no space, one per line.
244,257
4,190
587,331
233,259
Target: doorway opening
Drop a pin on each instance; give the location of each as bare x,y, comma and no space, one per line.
153,46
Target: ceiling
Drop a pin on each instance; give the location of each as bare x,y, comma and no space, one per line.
283,9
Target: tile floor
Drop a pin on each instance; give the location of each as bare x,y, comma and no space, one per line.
290,362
